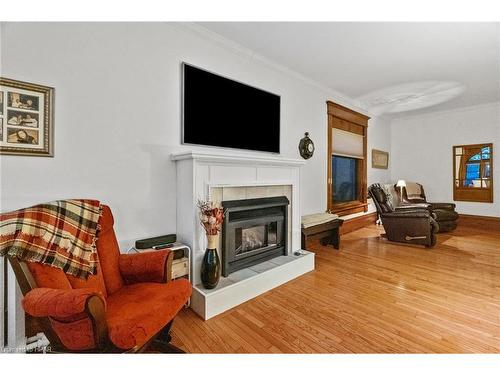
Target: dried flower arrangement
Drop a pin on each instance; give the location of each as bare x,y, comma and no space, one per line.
211,217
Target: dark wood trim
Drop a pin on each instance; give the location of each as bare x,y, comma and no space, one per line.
475,194
329,181
358,222
352,208
479,217
348,126
340,117
347,114
477,145
479,222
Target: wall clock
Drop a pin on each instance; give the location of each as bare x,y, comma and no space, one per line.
306,147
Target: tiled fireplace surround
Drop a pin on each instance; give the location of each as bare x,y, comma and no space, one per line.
221,177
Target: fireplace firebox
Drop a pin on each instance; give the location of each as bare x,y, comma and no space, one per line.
253,231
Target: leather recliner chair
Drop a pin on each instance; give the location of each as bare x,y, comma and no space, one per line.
408,224
445,213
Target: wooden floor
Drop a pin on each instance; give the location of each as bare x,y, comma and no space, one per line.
371,296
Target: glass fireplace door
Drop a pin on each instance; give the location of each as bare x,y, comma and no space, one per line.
256,237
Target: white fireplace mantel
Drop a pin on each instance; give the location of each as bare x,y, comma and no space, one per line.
236,158
200,171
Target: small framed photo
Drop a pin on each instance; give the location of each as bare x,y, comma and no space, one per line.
18,118
23,101
26,118
22,136
380,159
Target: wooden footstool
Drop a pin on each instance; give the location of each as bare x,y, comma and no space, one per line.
323,226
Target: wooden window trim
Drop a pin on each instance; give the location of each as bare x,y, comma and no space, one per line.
346,119
473,194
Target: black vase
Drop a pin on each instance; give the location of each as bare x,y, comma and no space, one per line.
210,268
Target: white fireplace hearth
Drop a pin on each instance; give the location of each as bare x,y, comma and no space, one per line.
231,176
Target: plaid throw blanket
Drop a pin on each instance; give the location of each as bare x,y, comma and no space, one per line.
61,234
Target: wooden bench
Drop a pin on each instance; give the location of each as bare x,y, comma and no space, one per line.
328,233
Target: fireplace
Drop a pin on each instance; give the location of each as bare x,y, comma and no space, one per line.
254,230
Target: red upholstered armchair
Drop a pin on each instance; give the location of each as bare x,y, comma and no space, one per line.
129,304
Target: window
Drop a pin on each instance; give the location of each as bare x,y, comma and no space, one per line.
346,183
473,173
344,175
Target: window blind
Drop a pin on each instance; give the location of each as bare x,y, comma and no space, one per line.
347,144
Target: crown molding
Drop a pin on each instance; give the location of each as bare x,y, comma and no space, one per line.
250,54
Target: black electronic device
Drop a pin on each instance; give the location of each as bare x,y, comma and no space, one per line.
156,242
218,111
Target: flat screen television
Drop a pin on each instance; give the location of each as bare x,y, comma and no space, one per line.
218,111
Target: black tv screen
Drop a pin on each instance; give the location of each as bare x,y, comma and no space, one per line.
218,111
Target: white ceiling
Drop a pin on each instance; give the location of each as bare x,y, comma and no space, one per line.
357,58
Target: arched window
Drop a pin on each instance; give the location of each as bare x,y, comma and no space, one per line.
486,152
475,157
473,173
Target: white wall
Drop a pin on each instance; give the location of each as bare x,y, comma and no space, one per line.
117,116
379,137
422,151
117,119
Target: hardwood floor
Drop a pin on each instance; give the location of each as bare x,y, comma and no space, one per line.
371,296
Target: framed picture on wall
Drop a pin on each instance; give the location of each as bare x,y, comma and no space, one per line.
380,159
26,118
